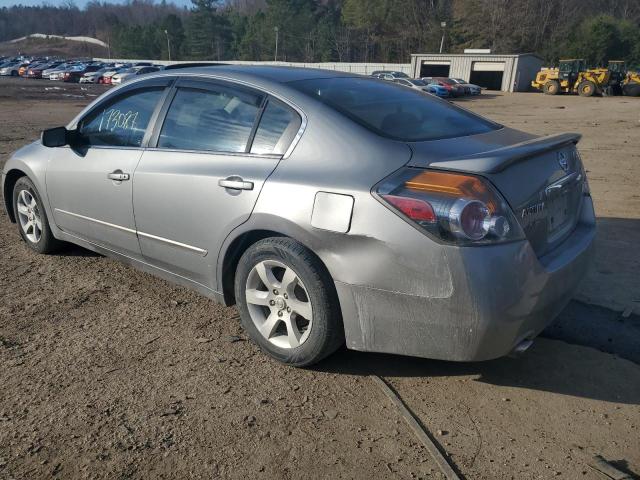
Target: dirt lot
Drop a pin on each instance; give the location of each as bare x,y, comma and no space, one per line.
111,373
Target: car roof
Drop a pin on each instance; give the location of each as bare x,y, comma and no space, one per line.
270,73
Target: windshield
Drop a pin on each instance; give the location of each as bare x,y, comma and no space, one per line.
418,83
393,111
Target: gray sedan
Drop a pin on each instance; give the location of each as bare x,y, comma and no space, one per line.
331,208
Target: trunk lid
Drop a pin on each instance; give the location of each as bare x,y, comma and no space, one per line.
540,177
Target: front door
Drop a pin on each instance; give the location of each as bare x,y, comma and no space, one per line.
205,174
90,183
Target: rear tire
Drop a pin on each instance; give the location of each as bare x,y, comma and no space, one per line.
276,278
552,87
31,218
587,88
631,90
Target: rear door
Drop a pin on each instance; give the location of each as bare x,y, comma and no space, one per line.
89,184
211,152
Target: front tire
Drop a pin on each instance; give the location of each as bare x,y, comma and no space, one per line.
552,87
31,218
287,302
586,89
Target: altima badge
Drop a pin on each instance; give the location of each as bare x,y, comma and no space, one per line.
532,211
562,160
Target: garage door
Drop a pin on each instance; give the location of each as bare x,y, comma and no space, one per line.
488,66
431,68
487,74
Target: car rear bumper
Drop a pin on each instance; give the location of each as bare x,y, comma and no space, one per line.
493,298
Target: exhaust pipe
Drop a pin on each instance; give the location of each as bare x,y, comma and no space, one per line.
522,347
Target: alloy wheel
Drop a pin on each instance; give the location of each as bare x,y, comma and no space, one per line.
279,304
29,216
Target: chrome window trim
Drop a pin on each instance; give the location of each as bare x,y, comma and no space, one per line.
216,153
107,147
296,139
185,246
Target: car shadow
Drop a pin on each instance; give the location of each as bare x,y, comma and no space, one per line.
72,250
473,98
550,366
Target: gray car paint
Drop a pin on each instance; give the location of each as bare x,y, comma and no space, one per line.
399,290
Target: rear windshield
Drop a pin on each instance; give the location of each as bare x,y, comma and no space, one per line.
394,111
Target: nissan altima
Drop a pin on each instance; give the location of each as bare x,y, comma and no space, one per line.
331,208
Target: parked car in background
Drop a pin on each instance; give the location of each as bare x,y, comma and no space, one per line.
419,84
95,76
75,74
23,68
125,75
108,75
46,74
469,88
388,74
36,71
11,69
452,87
59,74
421,228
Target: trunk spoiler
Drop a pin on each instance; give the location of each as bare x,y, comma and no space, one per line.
497,160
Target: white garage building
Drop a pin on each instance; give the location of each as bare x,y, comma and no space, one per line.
509,73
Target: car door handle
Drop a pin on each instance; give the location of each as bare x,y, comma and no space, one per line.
118,176
235,183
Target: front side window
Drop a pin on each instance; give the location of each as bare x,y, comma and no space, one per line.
278,125
216,120
393,111
121,123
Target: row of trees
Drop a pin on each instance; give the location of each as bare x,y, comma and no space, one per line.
342,30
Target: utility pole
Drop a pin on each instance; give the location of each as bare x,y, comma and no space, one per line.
275,58
168,44
444,26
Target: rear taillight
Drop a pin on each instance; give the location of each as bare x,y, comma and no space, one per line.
583,173
456,208
416,210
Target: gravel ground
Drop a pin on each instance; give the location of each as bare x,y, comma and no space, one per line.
111,373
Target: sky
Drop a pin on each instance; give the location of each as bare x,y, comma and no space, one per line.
79,3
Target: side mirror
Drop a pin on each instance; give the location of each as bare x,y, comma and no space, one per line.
55,137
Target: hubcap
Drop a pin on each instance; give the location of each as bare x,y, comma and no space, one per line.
29,216
278,304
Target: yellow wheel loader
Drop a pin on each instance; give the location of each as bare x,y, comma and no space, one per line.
623,81
572,76
631,84
617,73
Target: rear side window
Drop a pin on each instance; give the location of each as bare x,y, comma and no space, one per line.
278,125
216,120
393,111
121,123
